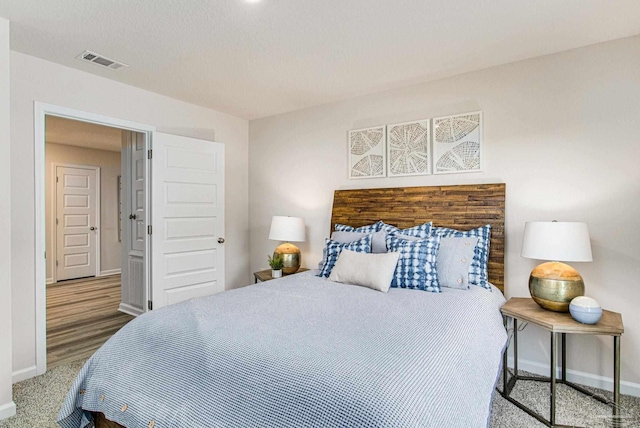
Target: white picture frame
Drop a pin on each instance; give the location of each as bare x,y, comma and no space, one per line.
457,143
409,148
367,153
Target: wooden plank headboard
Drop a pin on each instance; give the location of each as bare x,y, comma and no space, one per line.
461,207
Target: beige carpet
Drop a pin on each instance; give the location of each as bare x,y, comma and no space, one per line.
39,400
572,407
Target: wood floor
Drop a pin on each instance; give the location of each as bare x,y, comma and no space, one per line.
81,315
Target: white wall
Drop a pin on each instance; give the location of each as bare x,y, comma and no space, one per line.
561,131
7,407
34,79
110,168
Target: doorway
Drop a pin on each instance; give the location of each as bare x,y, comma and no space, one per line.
87,298
107,266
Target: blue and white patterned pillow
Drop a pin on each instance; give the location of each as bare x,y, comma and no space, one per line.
375,227
420,231
334,248
416,266
479,268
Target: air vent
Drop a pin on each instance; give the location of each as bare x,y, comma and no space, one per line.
100,60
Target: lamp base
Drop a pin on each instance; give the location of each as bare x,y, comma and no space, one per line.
290,255
553,285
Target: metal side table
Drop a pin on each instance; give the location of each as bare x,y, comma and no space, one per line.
525,309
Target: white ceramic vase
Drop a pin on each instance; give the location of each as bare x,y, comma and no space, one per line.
276,273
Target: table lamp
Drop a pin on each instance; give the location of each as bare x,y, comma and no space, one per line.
288,229
554,284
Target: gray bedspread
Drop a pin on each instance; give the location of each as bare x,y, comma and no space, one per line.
300,352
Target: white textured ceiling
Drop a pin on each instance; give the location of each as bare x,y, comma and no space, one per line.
258,59
82,134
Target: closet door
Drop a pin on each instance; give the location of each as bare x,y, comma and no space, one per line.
133,215
187,218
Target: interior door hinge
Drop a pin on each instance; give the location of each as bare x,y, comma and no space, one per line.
56,263
56,222
56,179
149,305
149,154
149,230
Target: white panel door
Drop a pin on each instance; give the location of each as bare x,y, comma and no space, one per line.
134,231
76,222
138,160
187,215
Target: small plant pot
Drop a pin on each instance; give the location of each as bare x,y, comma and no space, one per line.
276,273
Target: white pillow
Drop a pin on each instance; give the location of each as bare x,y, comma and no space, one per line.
454,261
366,269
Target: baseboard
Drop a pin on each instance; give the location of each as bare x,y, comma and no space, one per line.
7,410
582,378
24,374
110,272
130,310
107,272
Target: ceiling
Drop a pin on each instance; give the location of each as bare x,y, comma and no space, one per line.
82,134
259,59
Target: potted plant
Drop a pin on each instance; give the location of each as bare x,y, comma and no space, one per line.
277,263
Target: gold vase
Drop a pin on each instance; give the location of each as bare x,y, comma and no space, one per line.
290,256
553,285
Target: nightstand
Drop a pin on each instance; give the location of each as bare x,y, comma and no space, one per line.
265,275
525,309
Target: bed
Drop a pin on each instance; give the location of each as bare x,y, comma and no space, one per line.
305,351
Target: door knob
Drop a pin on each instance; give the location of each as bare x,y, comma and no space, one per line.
132,216
220,240
92,228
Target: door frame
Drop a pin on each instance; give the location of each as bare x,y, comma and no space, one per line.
41,110
54,210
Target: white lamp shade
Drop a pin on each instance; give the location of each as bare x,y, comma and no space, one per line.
290,229
557,241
